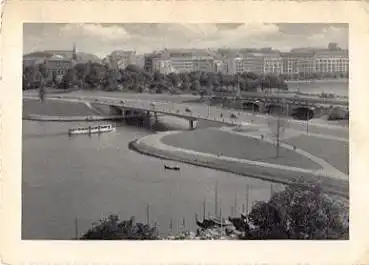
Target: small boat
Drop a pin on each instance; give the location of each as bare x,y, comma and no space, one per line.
92,129
171,167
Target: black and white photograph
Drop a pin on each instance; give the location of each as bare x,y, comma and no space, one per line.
193,131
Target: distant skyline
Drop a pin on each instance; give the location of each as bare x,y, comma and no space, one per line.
102,39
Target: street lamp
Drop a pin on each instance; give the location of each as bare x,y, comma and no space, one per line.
253,107
307,122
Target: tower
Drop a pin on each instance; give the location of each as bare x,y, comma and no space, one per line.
74,52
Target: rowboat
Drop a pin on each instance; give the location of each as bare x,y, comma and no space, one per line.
92,129
171,167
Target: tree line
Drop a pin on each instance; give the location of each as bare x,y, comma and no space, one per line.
133,78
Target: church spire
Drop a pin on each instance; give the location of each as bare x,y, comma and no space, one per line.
74,56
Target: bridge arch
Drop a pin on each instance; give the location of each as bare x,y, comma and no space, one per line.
114,110
248,105
275,108
303,113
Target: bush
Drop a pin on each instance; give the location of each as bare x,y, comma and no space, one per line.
111,229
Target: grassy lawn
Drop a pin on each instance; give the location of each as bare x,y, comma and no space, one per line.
334,152
217,142
56,108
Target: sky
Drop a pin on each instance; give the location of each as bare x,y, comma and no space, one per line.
102,39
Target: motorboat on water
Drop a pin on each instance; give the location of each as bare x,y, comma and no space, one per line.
92,129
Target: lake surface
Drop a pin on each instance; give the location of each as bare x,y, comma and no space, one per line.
87,178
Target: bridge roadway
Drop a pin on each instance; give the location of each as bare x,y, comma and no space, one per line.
204,112
291,98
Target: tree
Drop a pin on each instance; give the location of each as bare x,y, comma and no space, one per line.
67,80
111,229
301,211
174,79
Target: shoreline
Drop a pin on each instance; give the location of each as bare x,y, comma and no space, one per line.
329,185
38,117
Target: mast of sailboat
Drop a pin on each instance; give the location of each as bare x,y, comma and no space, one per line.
221,222
171,224
148,214
216,199
76,228
271,190
247,198
204,208
235,203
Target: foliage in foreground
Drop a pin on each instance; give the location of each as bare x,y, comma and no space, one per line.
298,212
111,229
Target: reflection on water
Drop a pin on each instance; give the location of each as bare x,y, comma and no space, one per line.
88,177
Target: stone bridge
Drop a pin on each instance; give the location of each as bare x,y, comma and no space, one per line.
301,108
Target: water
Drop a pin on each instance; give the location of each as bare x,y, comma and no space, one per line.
338,87
91,177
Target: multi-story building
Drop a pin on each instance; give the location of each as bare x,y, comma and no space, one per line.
253,62
163,66
272,63
289,64
220,66
203,63
332,62
35,58
250,62
179,61
148,61
57,66
55,62
305,63
295,64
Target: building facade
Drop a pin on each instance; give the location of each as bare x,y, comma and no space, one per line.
149,61
250,62
332,62
305,63
295,64
162,66
272,63
179,61
55,63
57,66
253,62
